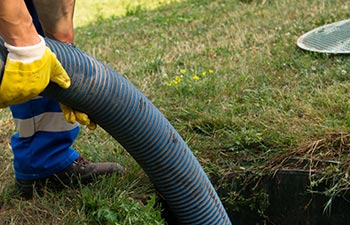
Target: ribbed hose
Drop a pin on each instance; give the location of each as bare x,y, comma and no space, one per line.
126,114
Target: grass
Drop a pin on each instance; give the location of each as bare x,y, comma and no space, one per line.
88,12
229,77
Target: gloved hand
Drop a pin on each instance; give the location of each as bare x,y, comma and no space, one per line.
73,116
28,70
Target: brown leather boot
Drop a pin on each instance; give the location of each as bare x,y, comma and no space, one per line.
80,171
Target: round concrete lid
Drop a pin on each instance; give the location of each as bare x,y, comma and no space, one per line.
331,38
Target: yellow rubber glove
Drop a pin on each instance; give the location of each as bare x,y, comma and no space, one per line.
28,70
73,116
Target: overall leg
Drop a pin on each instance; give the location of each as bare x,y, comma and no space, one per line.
42,144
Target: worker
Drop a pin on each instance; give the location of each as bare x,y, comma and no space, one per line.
42,144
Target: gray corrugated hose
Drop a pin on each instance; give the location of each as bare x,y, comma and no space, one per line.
126,114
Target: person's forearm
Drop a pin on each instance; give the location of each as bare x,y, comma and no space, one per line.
16,26
56,18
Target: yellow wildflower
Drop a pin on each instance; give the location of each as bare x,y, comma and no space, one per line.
178,79
204,74
174,82
195,77
210,71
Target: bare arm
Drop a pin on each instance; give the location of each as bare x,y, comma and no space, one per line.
56,18
16,26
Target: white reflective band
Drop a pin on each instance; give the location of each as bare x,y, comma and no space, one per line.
49,121
37,97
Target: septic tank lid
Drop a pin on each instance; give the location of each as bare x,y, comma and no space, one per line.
331,38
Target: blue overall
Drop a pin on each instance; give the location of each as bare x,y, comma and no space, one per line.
42,144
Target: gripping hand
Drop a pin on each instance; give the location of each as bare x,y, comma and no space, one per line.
28,70
73,116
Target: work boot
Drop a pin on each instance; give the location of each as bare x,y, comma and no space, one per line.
80,171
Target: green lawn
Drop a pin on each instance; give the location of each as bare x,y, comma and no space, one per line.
229,77
89,11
